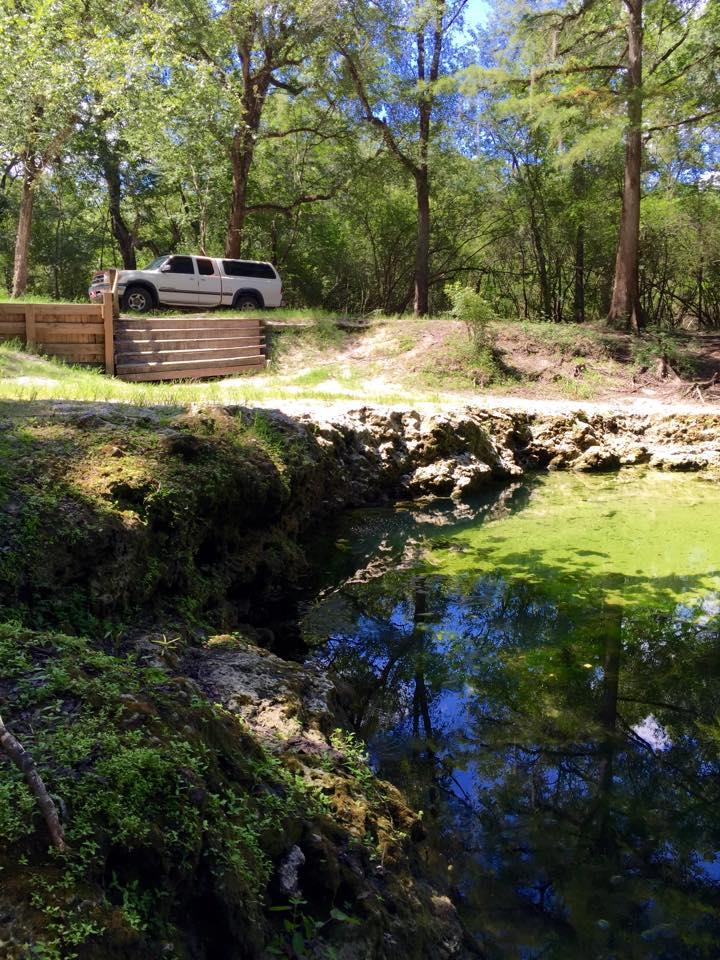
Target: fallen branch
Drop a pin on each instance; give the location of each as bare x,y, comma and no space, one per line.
697,387
25,763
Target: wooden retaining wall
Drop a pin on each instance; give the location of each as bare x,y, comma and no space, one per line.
76,332
137,348
181,348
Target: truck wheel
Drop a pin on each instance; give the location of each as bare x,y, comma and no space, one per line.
246,301
137,299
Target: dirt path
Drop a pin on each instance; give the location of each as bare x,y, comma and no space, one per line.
623,405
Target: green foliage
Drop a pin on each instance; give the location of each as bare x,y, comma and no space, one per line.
475,312
143,764
355,759
300,937
523,166
664,347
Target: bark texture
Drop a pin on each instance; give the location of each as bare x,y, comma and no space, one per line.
110,163
255,85
625,307
24,232
24,762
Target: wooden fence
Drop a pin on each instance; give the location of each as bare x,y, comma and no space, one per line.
187,347
76,332
137,348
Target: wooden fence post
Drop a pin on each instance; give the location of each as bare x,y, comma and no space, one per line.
29,309
107,315
113,279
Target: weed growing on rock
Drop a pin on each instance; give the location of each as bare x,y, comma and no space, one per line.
156,786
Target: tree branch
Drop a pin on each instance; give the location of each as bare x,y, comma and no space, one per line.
25,763
587,68
294,88
669,52
287,208
370,117
683,123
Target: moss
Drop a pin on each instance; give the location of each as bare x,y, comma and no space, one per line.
167,799
177,816
100,517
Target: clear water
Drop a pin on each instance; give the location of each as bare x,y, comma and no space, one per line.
541,675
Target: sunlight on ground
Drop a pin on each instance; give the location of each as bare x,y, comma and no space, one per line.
395,360
24,377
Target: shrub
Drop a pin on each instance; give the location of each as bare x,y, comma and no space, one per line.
475,312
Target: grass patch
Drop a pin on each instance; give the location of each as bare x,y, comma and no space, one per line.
26,377
568,339
652,348
585,388
33,298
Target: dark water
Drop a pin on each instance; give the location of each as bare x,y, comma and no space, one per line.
541,675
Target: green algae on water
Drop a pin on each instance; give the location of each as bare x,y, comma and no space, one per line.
637,540
531,673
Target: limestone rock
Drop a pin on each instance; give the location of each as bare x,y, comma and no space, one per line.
277,698
596,458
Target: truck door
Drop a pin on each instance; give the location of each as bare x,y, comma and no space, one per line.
179,282
209,283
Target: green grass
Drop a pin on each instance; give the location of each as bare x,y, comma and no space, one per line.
570,339
33,298
27,377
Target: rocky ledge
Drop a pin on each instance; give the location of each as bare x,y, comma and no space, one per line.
117,520
382,455
366,851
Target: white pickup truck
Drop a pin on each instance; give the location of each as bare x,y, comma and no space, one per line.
181,280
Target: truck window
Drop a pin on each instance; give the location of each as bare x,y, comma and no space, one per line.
181,265
205,267
248,268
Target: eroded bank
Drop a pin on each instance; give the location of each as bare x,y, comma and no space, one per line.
151,560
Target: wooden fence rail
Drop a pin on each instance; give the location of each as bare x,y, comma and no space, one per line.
76,332
138,348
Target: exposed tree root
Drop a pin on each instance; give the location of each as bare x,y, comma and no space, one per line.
697,386
24,762
677,386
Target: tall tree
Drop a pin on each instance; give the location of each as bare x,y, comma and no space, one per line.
650,63
234,56
419,31
41,79
625,304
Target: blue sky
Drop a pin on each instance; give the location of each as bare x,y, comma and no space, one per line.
476,12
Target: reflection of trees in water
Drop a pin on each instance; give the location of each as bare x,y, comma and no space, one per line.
396,541
569,756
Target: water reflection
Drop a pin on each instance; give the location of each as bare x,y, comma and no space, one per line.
550,702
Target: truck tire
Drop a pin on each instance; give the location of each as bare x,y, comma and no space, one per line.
246,301
138,299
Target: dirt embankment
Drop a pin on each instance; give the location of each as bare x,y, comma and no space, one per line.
148,560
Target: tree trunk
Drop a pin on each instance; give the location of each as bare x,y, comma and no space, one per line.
625,307
241,154
545,292
422,244
120,231
700,314
24,230
242,149
579,294
578,188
